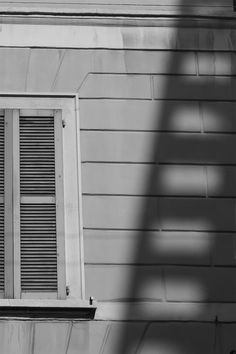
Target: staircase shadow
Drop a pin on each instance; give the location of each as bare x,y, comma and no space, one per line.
187,238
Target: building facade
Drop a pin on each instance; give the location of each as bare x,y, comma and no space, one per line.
117,177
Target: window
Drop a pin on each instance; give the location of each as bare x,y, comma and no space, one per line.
40,224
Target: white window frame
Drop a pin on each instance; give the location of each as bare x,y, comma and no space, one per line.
67,104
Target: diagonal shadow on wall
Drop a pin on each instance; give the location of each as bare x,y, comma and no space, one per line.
186,239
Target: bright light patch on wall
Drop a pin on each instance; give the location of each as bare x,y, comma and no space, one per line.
185,117
178,243
187,287
183,180
154,347
186,223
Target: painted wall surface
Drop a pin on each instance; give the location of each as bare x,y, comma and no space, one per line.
95,337
157,118
65,337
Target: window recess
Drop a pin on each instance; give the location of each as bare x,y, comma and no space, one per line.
41,246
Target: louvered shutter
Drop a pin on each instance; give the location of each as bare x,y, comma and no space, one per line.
37,219
32,261
41,216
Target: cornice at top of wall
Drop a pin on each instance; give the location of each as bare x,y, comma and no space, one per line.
207,16
120,21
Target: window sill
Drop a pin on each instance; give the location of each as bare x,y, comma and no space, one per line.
29,308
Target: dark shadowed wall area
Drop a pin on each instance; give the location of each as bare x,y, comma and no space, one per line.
157,108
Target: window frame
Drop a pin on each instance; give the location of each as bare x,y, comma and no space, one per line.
14,199
67,106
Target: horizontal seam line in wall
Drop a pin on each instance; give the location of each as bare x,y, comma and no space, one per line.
201,302
166,265
174,99
158,230
161,301
157,131
230,233
193,99
108,49
160,196
163,321
197,76
115,98
143,131
166,74
168,132
127,73
180,163
157,164
200,50
140,98
167,99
